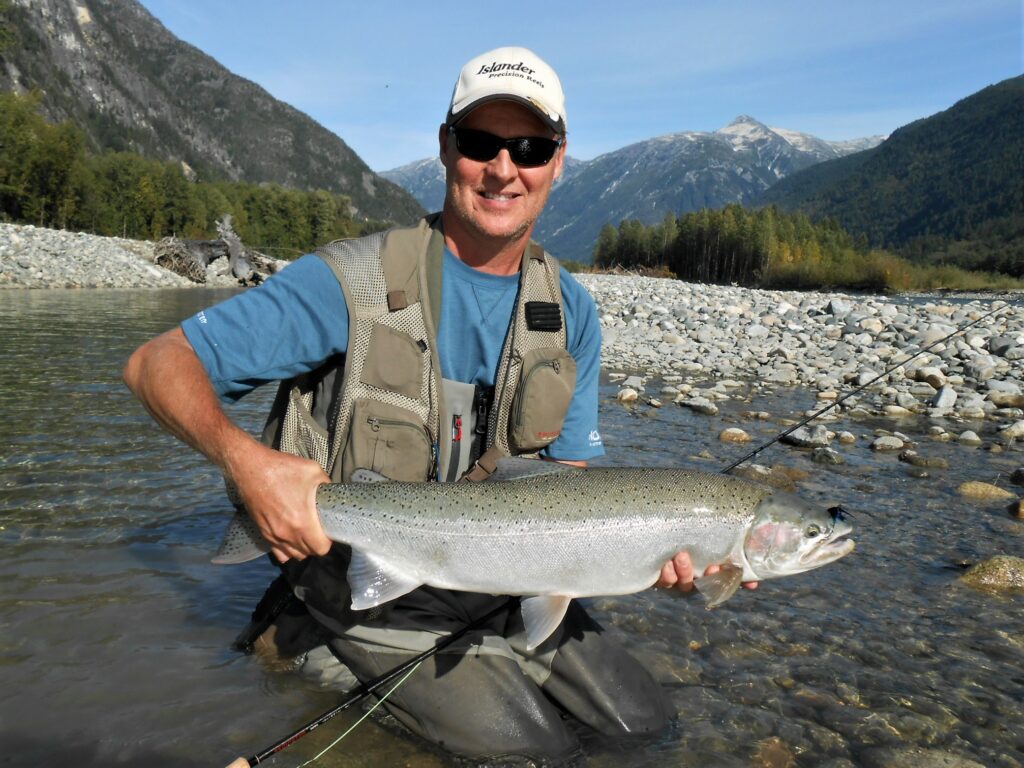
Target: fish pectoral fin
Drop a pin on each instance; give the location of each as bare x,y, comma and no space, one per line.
542,614
369,476
719,587
375,581
242,542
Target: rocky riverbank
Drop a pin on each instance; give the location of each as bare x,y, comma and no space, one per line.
694,340
35,257
699,340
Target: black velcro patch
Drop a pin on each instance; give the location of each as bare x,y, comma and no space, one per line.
543,316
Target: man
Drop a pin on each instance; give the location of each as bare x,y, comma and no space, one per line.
364,337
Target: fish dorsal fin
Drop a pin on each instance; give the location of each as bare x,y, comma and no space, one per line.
719,587
369,476
375,581
242,542
542,614
513,468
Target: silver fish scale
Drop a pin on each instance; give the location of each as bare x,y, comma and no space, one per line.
575,532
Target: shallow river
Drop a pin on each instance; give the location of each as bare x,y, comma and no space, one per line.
115,629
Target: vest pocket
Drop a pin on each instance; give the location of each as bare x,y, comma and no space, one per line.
394,361
547,380
389,440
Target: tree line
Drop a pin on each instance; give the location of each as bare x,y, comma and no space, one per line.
49,178
767,248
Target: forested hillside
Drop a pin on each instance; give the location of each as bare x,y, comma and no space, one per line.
946,189
49,178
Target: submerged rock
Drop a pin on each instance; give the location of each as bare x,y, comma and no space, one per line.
999,573
974,489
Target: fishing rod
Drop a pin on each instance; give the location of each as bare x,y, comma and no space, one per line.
862,387
366,689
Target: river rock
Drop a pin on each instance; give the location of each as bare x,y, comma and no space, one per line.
999,573
819,437
968,437
887,443
914,757
1016,509
700,405
1013,432
827,456
627,395
734,435
974,489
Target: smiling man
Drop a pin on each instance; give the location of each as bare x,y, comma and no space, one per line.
422,354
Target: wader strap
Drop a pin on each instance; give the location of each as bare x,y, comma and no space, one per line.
484,466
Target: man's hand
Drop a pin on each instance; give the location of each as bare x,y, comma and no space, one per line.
279,491
678,574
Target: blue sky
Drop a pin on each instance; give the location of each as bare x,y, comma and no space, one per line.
380,75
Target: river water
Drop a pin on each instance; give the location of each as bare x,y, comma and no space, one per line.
115,629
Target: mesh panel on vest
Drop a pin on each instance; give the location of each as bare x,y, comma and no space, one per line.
359,261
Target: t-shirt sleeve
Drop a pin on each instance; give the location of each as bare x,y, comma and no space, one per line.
288,325
580,438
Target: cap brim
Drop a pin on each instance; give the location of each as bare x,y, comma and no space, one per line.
558,126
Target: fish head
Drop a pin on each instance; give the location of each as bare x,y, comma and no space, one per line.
788,535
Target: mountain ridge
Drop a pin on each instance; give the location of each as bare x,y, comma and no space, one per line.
128,83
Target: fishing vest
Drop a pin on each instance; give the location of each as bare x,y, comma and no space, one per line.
384,406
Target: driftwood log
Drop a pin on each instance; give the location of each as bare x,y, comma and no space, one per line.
191,258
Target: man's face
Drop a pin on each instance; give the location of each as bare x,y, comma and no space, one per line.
496,199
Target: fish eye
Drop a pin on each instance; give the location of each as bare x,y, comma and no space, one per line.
813,530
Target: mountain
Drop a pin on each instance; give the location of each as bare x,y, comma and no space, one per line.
112,69
424,179
954,176
680,172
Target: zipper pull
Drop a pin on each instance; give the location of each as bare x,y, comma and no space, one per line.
374,423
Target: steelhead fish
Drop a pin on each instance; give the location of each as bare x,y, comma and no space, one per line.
553,532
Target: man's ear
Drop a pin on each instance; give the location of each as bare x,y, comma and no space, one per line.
442,140
559,159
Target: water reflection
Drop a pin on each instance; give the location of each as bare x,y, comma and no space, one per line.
116,628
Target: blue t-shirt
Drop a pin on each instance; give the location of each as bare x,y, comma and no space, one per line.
293,322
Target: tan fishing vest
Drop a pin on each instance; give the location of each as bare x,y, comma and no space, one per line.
383,406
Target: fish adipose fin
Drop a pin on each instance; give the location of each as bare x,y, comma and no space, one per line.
375,581
512,468
242,542
719,587
542,614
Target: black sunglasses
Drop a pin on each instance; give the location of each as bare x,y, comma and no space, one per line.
525,151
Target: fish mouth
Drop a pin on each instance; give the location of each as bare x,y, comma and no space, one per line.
830,550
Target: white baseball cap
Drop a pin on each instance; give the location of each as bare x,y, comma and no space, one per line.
510,74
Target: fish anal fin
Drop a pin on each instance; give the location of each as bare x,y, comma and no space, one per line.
242,542
541,615
720,586
374,581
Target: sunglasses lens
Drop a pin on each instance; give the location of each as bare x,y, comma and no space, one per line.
525,151
477,145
